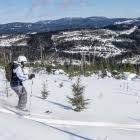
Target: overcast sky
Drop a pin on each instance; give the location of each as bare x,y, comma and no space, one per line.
36,10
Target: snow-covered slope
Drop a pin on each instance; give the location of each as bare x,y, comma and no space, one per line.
113,110
128,21
11,40
132,60
99,42
93,43
130,31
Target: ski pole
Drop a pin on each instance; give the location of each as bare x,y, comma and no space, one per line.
31,93
30,102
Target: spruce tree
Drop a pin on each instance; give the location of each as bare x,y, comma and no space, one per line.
78,101
45,91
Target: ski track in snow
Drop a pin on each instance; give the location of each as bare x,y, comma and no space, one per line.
130,127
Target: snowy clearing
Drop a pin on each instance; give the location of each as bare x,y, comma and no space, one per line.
113,112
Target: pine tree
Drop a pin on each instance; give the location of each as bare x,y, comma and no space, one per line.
45,91
78,102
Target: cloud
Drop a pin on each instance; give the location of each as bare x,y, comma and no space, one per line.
7,10
38,6
70,3
11,15
39,3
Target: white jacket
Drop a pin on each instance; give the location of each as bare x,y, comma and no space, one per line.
20,73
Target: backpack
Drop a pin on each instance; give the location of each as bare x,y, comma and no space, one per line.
8,71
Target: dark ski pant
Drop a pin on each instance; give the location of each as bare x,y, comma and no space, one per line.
22,94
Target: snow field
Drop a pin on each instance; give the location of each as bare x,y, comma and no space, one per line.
113,112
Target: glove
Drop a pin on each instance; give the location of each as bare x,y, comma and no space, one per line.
31,76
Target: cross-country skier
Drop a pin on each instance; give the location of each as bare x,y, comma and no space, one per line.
17,78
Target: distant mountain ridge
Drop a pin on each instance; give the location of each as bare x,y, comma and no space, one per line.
64,23
94,37
118,41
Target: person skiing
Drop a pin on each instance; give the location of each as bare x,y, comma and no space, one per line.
17,77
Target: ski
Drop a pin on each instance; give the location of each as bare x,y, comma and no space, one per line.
17,111
21,113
